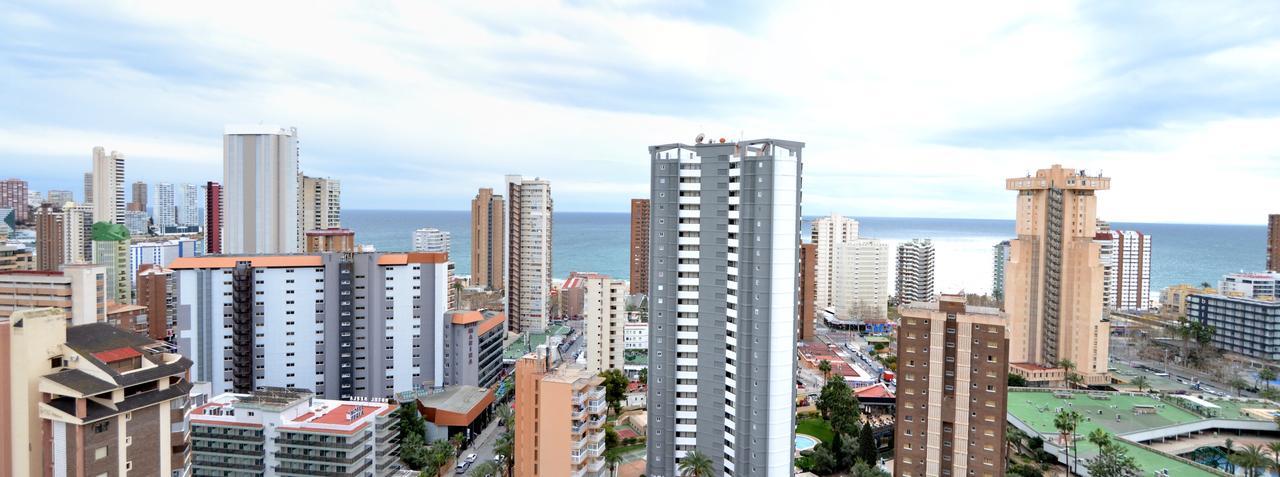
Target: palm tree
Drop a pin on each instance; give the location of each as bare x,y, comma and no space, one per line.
1068,372
825,367
612,458
1231,451
1238,383
487,468
1253,459
1140,382
695,464
1274,447
1267,375
1066,422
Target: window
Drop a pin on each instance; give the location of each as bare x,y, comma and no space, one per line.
100,453
100,427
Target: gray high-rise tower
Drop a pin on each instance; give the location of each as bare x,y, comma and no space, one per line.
723,250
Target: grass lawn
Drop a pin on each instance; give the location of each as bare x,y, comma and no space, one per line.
817,428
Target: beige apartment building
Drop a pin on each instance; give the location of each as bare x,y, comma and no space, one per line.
487,252
953,363
319,204
604,314
560,409
528,244
1053,281
79,290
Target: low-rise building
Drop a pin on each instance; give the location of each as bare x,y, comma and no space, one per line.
330,240
161,252
1173,300
79,290
287,431
15,256
1240,325
1263,286
454,410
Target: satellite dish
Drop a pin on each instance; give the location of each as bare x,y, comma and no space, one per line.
698,140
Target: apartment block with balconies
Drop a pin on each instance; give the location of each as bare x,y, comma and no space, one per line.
563,406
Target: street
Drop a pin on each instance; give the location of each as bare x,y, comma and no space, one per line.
482,447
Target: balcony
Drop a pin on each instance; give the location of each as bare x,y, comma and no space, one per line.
577,457
595,423
579,413
596,407
596,394
595,466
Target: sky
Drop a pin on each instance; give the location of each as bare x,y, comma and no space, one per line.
907,109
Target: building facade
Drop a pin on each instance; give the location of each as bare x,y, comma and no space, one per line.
1241,325
213,217
111,250
604,315
155,293
59,197
1273,243
528,269
826,233
319,204
139,202
488,246
287,431
77,234
1053,281
260,190
724,245
362,324
860,279
88,188
560,409
431,240
138,223
166,206
1126,265
13,195
1173,299
1263,286
805,307
189,208
330,240
999,259
952,387
473,347
915,270
78,290
639,246
15,256
162,252
51,230
108,186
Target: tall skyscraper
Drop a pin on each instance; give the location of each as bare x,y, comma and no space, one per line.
999,258
166,206
528,244
604,315
88,188
78,234
189,209
807,311
108,186
430,240
260,190
915,271
488,252
1053,281
639,246
319,203
826,233
13,195
951,401
1126,263
213,217
139,202
724,246
111,249
1273,243
50,238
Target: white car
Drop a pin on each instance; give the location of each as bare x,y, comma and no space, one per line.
471,458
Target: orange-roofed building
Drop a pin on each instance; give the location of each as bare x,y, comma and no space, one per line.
287,431
560,413
473,347
342,324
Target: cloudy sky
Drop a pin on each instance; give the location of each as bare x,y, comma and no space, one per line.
906,110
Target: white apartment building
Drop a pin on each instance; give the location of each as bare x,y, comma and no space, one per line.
724,256
860,279
604,317
1251,285
161,253
430,240
189,210
826,232
287,431
1126,264
319,204
362,324
166,206
636,336
108,186
260,190
528,259
77,233
915,269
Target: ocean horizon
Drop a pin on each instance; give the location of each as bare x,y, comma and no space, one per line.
600,242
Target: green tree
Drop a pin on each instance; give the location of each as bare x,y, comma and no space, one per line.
1267,375
1068,370
1140,382
413,451
863,469
410,422
1066,423
487,468
1017,381
696,464
615,389
456,441
825,367
1112,459
822,461
840,450
1252,458
612,458
611,439
644,375
839,407
1238,383
867,451
504,446
1274,447
438,454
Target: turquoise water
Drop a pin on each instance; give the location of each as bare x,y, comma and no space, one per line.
804,443
599,242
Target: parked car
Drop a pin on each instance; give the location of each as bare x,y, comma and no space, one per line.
470,458
462,468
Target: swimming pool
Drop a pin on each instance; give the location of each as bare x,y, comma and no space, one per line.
805,442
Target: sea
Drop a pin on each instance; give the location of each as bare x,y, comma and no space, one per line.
600,242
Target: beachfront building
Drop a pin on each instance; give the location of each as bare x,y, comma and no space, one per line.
430,240
724,254
999,259
1241,325
528,245
915,269
604,317
1053,280
1126,262
488,246
1263,286
639,246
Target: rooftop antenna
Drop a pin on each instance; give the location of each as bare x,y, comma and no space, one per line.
700,138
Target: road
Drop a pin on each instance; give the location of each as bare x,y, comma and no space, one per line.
483,446
1121,351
